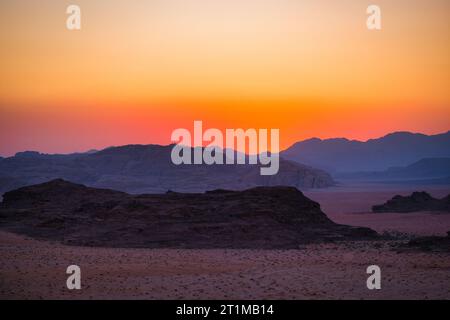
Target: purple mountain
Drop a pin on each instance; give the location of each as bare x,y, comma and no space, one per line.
393,150
149,169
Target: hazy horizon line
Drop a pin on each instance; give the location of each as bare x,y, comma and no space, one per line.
167,145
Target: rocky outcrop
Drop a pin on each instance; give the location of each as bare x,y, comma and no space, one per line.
417,201
262,217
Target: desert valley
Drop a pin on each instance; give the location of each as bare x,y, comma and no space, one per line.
242,236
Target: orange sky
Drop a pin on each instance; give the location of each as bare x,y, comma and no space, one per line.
139,69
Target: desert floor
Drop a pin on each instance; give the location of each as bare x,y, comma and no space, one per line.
31,269
351,205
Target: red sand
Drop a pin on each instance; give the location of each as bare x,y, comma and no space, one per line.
31,269
352,206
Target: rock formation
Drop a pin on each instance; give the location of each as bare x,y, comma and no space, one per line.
417,201
262,217
148,169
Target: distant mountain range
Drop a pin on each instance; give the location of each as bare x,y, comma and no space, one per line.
148,169
428,169
401,156
393,150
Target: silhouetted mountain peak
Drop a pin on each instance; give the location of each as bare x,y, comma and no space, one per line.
57,184
133,148
28,154
402,134
392,150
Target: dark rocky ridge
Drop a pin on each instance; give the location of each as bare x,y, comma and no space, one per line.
262,217
417,201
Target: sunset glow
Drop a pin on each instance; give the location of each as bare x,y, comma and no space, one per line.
140,69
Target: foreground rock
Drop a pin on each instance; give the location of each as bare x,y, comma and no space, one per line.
263,217
418,201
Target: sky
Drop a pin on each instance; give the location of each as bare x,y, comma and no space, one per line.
139,69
